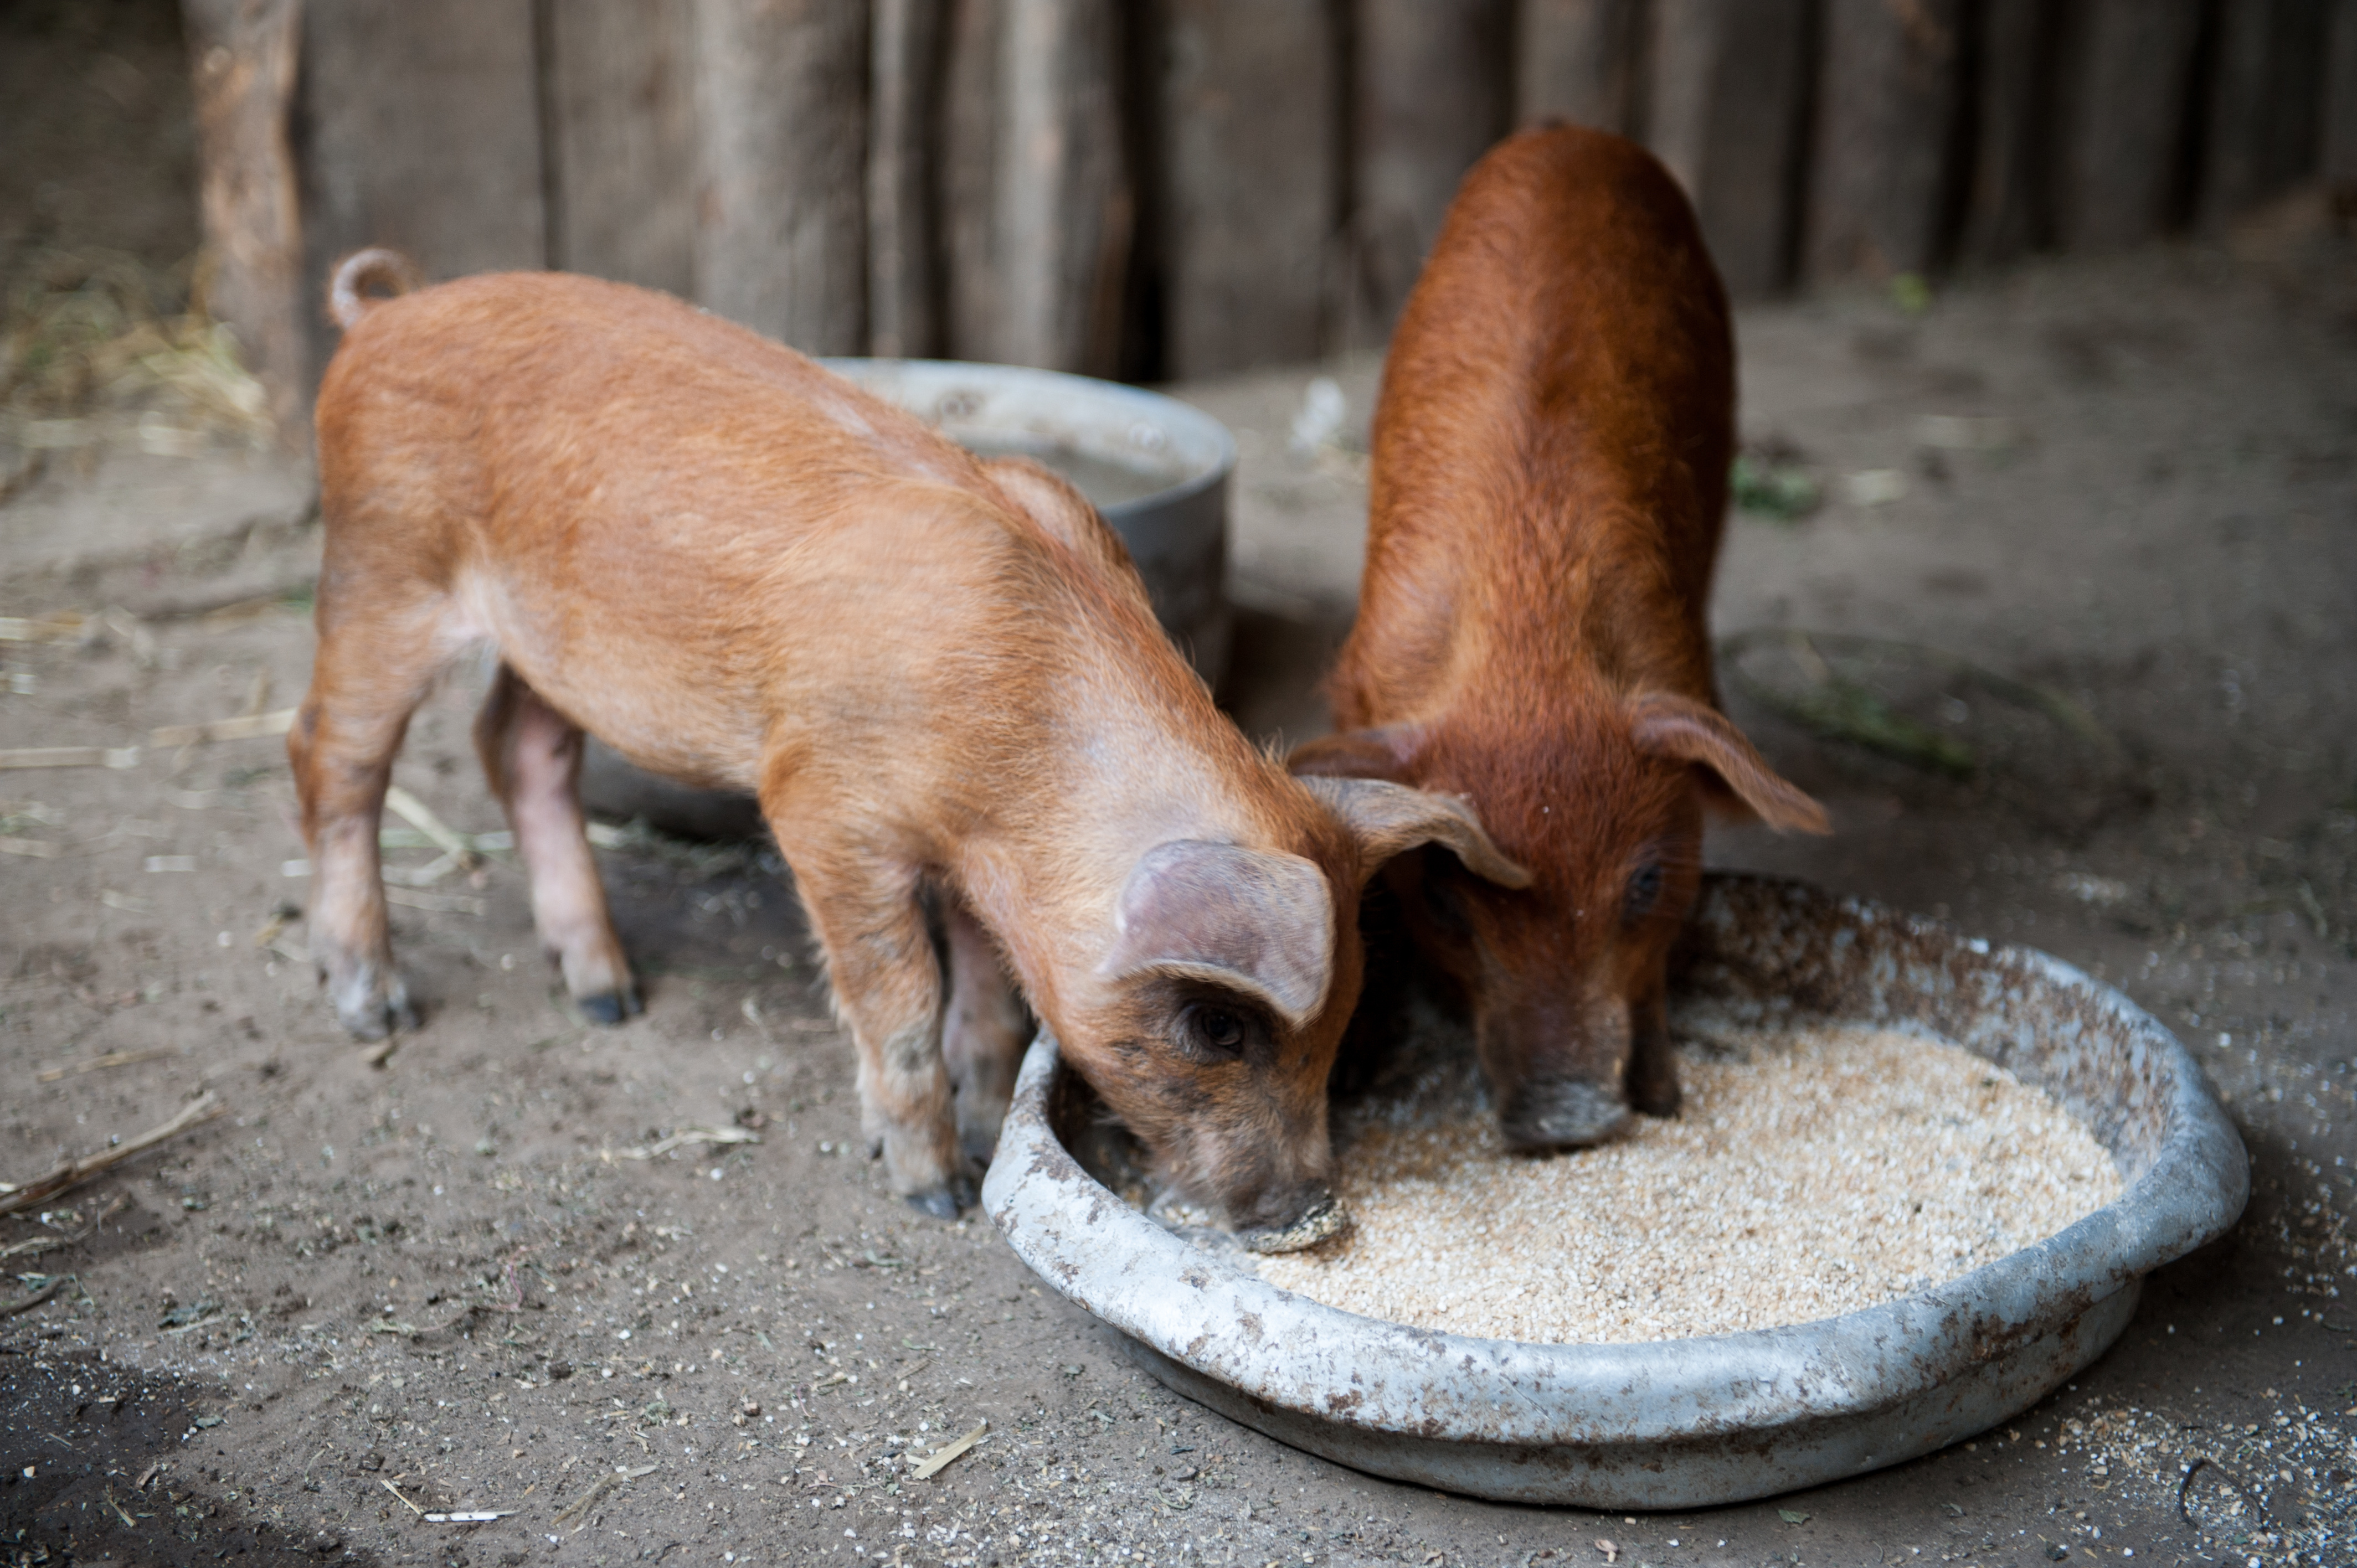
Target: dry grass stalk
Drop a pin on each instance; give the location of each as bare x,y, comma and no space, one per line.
71,1173
599,1488
92,337
419,815
10,1309
423,875
99,1063
942,1457
66,627
436,903
680,1140
33,1246
252,727
116,757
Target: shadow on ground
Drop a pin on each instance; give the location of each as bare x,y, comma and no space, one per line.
105,1463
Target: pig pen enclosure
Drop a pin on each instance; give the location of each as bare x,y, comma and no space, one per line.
634,1291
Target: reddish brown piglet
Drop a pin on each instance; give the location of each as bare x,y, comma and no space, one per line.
941,677
1551,454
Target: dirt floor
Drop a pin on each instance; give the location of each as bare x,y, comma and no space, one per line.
474,1276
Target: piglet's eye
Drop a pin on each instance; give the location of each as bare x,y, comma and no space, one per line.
1644,892
1214,1029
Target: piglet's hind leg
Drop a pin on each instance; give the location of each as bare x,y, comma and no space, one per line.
532,754
341,747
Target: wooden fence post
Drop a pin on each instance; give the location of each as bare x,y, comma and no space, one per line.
1582,59
1248,95
423,133
1432,89
2264,103
781,133
2340,137
618,85
903,259
1888,94
1063,205
2127,93
1727,108
971,132
1038,204
2009,207
244,58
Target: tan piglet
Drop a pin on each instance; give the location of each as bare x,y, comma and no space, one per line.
939,676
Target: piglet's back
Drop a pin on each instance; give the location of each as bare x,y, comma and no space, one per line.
1564,368
517,392
669,525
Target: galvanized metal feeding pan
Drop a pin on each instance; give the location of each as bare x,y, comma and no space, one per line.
1687,1422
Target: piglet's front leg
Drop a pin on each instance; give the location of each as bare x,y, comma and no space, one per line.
888,987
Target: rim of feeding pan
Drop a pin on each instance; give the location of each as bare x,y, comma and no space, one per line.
1691,1422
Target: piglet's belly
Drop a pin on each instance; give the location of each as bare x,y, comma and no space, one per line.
669,705
644,725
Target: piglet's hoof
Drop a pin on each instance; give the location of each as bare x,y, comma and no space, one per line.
1655,1094
946,1201
370,1008
611,1006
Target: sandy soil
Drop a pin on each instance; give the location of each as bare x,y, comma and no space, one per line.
367,1294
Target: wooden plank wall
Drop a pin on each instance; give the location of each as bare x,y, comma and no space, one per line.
415,124
1884,163
1429,83
2007,210
2339,111
1180,187
781,168
2128,109
1248,97
904,91
621,186
1727,86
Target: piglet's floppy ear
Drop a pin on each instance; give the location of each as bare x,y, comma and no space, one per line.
1689,731
1382,753
1244,919
1391,819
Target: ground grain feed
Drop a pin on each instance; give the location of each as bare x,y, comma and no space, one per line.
1811,1171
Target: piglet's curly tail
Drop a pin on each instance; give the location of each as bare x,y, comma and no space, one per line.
364,280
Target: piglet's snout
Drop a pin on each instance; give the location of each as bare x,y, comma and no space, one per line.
1303,1216
1571,1087
1275,1192
1563,1113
